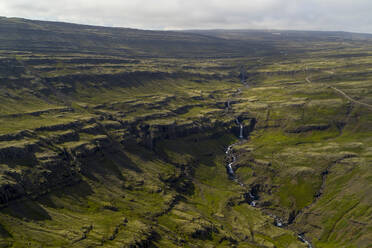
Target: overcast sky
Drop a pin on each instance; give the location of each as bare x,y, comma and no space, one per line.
345,15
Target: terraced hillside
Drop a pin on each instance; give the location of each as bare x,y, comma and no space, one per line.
118,138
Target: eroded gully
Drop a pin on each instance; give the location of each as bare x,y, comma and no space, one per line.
251,196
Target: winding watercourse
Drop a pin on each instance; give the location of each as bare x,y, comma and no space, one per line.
251,196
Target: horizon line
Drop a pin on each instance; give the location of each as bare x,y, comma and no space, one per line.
190,29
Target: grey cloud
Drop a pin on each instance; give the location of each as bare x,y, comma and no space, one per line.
193,14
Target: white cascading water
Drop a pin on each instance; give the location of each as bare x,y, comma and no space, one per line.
228,150
230,169
305,241
241,126
253,203
241,131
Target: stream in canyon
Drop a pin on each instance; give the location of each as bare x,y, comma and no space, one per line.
252,195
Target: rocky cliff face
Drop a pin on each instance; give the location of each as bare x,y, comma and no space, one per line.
50,157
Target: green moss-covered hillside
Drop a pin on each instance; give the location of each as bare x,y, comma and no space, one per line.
123,141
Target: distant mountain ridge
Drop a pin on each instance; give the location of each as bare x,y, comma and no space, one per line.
33,36
29,35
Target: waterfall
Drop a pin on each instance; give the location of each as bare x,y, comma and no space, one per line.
241,131
251,199
228,150
278,222
230,169
303,240
241,126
